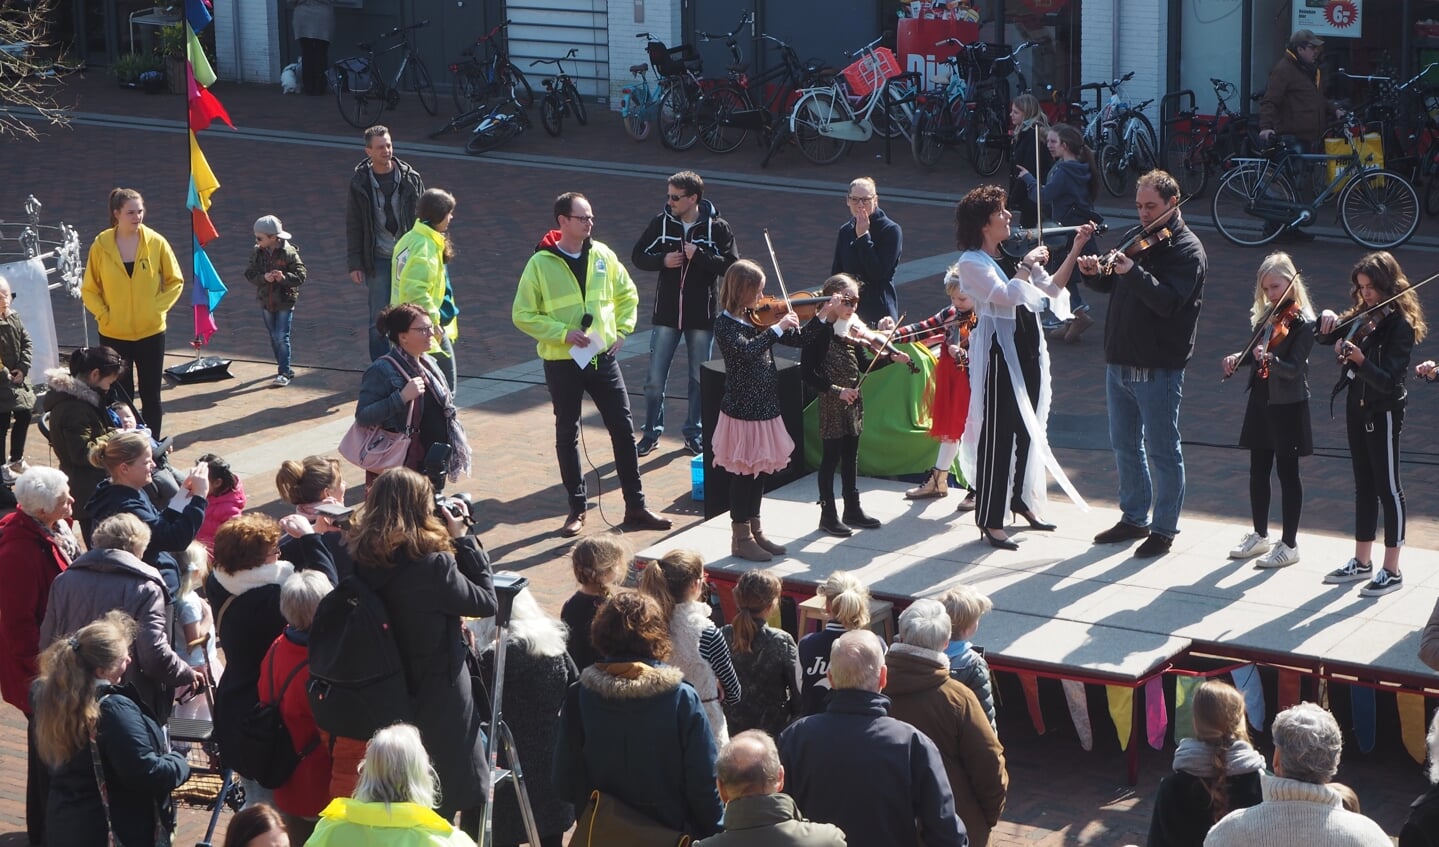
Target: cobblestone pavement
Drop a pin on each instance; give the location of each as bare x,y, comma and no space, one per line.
293,158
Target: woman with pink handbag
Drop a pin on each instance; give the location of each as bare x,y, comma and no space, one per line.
405,406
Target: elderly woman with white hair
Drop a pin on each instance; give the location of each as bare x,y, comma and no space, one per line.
394,801
1299,807
1422,827
923,694
36,544
538,672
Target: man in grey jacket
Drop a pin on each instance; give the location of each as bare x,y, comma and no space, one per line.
757,814
380,209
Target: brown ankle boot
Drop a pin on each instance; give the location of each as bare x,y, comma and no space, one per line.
743,544
769,546
936,486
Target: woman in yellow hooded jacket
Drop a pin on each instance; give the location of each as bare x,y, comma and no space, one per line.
394,801
131,280
421,275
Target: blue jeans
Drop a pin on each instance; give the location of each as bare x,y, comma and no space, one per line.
664,340
1144,433
379,285
278,325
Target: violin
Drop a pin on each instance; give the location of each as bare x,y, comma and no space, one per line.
966,326
1146,238
768,310
1278,331
1021,239
1363,326
860,334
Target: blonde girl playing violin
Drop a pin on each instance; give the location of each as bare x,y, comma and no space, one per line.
834,366
947,398
1373,368
1276,428
750,440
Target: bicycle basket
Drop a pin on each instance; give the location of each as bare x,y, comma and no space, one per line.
674,61
992,61
870,71
355,74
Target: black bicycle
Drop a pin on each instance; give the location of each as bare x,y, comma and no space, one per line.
502,123
361,91
477,80
561,96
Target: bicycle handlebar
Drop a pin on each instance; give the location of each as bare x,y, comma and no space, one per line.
745,18
1404,86
870,46
574,52
949,42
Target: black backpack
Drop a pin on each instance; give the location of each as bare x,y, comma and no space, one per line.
357,678
265,752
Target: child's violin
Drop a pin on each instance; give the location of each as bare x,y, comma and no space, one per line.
768,310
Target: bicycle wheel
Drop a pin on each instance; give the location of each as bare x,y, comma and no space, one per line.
1379,209
987,142
358,108
924,142
504,123
893,122
417,79
467,89
635,114
576,104
812,117
1236,196
1144,152
1185,164
524,95
717,130
1112,170
550,113
678,128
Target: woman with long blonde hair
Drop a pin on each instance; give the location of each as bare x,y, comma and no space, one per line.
1374,360
83,714
1028,130
1215,771
1276,428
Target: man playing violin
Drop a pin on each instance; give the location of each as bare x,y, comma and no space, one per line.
1155,288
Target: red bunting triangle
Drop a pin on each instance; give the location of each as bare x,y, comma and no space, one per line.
206,109
203,228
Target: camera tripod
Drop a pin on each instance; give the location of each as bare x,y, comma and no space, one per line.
506,587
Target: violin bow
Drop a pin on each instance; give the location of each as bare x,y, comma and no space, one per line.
774,260
1038,191
1411,289
1148,230
1260,327
875,357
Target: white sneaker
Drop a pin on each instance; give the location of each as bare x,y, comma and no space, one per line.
281,381
13,470
1281,556
1251,545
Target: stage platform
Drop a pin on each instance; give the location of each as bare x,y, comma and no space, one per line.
1066,608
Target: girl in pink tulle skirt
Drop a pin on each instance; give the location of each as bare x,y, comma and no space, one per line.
750,440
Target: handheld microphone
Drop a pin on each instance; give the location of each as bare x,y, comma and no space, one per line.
587,320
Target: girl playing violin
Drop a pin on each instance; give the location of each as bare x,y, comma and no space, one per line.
1374,349
750,440
1276,427
834,365
947,397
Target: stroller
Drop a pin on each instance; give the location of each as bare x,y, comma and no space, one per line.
212,786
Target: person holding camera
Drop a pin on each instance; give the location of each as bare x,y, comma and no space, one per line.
576,300
430,575
404,390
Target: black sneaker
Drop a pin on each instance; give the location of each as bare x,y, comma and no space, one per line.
1353,571
646,446
695,445
1154,545
1383,582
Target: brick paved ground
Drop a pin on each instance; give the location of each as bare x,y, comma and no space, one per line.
299,170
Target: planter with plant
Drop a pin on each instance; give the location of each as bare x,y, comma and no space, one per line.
172,49
138,70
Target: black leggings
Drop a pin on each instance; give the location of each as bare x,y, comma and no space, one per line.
18,432
1374,452
1291,491
147,357
842,452
745,495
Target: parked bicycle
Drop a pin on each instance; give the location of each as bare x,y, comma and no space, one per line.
638,102
1130,143
1406,116
477,80
987,126
561,97
872,96
1258,197
940,113
1197,146
361,91
508,119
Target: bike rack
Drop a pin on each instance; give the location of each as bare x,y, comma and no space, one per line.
1172,111
890,98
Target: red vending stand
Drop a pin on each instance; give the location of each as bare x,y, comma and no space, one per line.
916,38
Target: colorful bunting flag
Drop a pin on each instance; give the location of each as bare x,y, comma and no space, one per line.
202,227
1079,711
205,110
202,180
1247,680
1030,683
208,290
1156,714
1121,711
198,15
199,62
1361,700
208,287
1184,686
1411,724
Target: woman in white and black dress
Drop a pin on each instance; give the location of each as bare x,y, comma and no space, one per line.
1009,372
